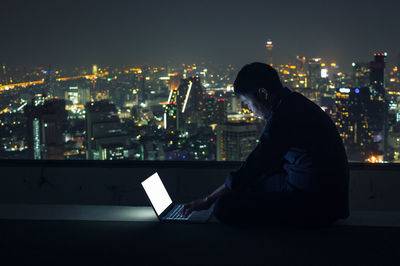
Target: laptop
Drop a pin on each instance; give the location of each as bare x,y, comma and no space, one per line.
165,209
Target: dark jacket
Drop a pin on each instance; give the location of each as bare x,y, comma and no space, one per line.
301,138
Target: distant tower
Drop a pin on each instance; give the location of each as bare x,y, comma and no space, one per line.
380,107
94,69
49,85
377,75
3,76
301,63
269,45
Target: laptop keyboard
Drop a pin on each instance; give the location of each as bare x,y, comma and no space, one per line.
176,213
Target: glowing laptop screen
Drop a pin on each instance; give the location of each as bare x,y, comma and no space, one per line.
157,193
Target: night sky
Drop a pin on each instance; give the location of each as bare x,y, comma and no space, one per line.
156,32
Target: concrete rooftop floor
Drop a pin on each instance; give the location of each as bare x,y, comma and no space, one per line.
116,235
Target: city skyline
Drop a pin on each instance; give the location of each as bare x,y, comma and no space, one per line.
185,112
154,80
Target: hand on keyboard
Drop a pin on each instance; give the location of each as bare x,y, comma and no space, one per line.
197,205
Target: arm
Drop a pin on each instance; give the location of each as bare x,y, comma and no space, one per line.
220,191
205,203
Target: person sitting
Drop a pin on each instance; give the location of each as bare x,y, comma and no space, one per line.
297,174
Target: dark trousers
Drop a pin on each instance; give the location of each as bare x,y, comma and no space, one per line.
272,201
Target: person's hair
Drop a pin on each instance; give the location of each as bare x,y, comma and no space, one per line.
254,76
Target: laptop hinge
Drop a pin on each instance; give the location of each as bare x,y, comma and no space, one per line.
167,209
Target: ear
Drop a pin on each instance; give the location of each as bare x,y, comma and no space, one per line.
263,91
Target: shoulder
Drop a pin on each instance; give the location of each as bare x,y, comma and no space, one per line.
298,105
295,97
286,106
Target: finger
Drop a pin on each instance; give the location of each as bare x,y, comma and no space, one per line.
184,210
187,212
186,206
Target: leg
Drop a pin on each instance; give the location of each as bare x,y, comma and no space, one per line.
273,208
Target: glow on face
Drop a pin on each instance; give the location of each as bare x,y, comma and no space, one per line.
254,107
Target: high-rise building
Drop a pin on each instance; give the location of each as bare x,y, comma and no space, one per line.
301,64
393,102
172,116
172,113
235,141
143,84
186,105
377,75
193,108
219,113
77,98
4,76
314,73
291,77
49,87
269,46
215,111
361,74
104,134
94,69
393,140
46,124
234,105
84,96
352,118
72,94
379,106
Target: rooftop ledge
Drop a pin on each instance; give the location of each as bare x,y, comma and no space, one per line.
373,187
183,163
56,212
94,212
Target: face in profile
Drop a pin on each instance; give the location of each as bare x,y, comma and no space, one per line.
259,104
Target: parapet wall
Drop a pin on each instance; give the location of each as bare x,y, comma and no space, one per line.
372,187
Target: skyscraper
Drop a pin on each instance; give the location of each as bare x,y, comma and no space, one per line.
235,140
361,74
186,104
173,109
193,103
314,73
4,76
301,64
49,84
269,46
352,118
215,110
172,114
377,75
46,124
94,69
104,134
378,101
